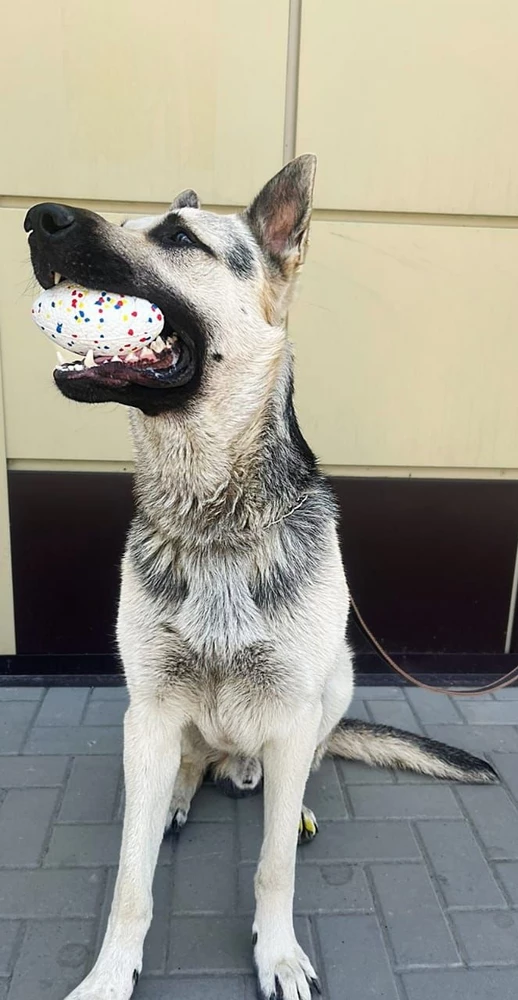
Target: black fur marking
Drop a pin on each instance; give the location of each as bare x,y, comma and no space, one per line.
466,762
217,357
155,563
240,260
166,229
290,473
254,939
135,977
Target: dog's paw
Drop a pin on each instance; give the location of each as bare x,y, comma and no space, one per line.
308,826
98,989
176,820
100,985
286,974
239,777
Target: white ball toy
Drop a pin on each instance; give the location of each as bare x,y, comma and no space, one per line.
109,325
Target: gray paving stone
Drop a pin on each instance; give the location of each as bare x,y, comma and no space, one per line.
105,713
32,772
495,819
54,958
91,790
38,893
110,693
192,988
335,888
361,841
355,773
62,707
355,959
21,693
477,739
508,694
387,692
488,938
461,984
403,802
210,805
507,766
489,713
24,821
324,794
210,944
508,874
433,709
9,936
84,845
220,944
462,871
413,917
15,717
74,739
204,869
4,986
358,710
394,713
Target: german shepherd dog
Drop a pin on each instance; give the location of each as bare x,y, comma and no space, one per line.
234,604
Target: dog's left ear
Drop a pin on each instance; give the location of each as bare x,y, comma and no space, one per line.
279,215
186,199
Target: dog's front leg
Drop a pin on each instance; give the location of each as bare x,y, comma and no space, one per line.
283,969
152,743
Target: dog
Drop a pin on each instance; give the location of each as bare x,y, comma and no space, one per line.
232,623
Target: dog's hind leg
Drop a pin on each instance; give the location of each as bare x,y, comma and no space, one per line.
283,969
152,741
189,779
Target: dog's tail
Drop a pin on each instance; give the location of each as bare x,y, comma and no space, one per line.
388,747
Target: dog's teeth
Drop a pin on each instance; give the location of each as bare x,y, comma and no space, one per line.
116,359
159,345
89,361
147,355
60,358
57,277
132,357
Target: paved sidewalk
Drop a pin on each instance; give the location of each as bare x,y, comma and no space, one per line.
409,892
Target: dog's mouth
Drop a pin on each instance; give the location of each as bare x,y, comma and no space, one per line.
165,362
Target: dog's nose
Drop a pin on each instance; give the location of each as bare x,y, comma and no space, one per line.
49,219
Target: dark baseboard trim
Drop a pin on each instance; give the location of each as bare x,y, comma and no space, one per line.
446,670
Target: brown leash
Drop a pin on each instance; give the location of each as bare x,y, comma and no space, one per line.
497,685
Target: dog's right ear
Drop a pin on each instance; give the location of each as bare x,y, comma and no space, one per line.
279,216
186,199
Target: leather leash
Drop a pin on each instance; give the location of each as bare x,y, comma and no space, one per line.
498,685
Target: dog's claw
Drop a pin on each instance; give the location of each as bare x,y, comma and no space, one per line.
308,826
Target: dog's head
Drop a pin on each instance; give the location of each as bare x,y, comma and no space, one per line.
223,283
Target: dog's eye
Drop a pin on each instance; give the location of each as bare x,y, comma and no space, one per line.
181,239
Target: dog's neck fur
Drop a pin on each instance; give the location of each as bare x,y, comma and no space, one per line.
208,472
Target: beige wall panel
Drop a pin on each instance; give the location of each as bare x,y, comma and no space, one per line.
40,422
407,345
136,99
410,104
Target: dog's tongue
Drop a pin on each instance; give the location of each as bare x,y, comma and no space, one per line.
108,325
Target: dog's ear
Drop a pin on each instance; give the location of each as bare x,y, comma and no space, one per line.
279,215
186,199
